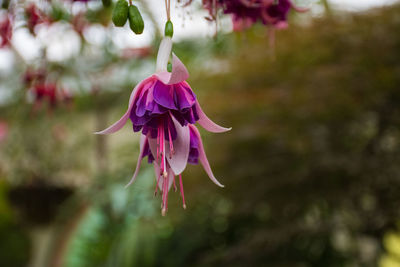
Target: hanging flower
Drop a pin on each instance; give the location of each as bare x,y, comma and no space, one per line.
33,75
247,12
34,17
45,92
276,14
164,108
5,31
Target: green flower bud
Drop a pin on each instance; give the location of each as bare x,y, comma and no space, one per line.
120,13
135,20
169,29
169,67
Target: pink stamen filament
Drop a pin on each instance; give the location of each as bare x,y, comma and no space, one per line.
182,193
165,196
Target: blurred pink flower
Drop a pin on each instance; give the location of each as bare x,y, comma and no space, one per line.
35,17
5,31
45,91
247,12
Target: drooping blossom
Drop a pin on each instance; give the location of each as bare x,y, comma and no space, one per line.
164,109
45,92
35,17
33,75
247,12
5,31
49,94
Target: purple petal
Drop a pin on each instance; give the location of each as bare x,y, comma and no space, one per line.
203,158
179,117
208,124
121,122
179,72
139,121
143,140
141,104
185,96
164,95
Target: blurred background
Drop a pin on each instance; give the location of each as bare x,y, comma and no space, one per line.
311,167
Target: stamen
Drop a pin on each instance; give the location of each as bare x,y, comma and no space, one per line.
165,196
182,193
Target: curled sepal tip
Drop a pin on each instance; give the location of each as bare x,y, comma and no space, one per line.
203,158
207,123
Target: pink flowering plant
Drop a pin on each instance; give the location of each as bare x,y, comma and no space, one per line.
245,13
164,108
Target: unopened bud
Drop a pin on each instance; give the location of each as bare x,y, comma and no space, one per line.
120,13
169,29
135,20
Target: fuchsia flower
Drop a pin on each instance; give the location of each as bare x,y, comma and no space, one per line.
5,31
45,91
247,12
164,108
35,17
